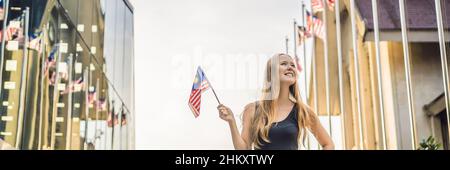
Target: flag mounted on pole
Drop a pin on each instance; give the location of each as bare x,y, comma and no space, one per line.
318,5
35,42
2,12
123,122
302,35
331,4
319,29
201,84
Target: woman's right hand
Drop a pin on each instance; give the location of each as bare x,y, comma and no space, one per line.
225,113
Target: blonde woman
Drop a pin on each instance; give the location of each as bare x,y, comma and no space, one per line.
280,120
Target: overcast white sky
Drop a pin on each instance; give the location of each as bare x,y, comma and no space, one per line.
230,39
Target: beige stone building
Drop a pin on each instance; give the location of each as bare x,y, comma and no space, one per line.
426,74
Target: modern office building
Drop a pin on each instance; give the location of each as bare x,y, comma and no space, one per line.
67,75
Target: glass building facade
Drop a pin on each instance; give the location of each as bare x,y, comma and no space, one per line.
67,74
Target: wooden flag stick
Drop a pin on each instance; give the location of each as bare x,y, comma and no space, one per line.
214,93
209,84
218,101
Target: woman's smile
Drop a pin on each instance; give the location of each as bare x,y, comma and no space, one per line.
289,73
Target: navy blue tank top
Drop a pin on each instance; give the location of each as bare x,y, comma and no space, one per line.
283,135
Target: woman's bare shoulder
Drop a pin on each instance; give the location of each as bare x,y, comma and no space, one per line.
249,109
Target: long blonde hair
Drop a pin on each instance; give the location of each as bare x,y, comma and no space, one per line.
265,111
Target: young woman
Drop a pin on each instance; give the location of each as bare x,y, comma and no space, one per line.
280,119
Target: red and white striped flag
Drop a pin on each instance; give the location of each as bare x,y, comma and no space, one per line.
302,35
297,62
14,30
2,13
76,86
110,117
319,29
200,85
50,61
92,96
124,119
331,4
35,44
101,104
317,5
10,32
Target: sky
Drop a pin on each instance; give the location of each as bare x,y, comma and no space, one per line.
230,39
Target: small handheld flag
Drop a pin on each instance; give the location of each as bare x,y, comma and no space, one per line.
201,84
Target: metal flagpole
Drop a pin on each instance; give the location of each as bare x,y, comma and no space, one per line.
356,67
41,91
112,127
304,65
126,130
55,100
87,81
340,76
69,105
379,75
314,68
120,126
295,43
5,24
408,72
286,44
97,106
444,63
327,77
23,79
295,39
105,131
304,54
